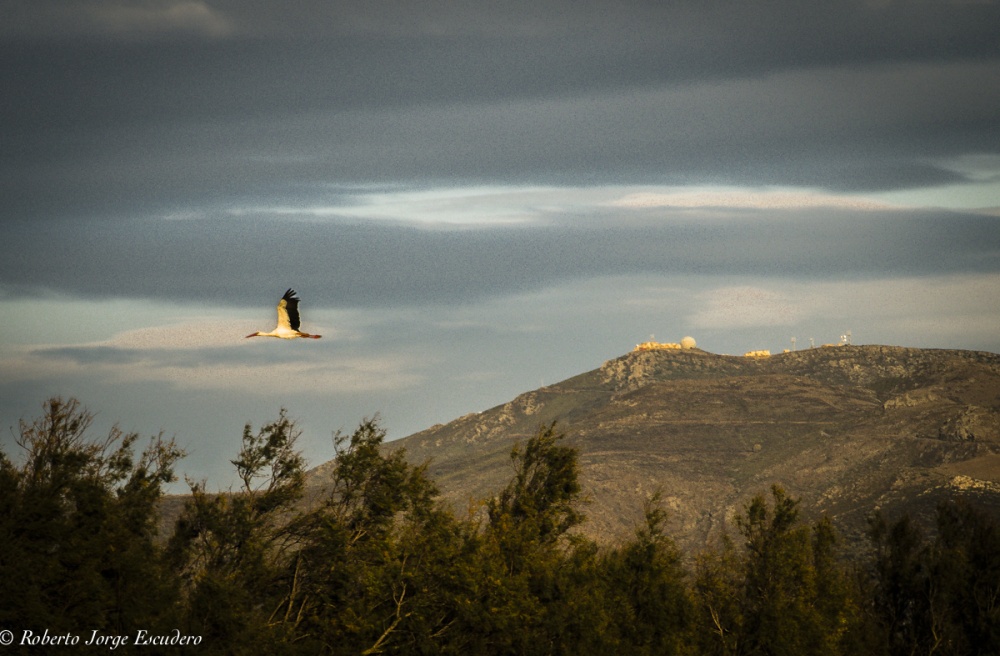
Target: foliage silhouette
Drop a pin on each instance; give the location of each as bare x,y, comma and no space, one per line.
371,562
78,527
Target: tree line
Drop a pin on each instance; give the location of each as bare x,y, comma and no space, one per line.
378,565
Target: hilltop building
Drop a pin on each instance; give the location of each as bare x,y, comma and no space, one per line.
656,346
686,343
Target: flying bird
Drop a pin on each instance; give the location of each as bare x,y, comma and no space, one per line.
288,319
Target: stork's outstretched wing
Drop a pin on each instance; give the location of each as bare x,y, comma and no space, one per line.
288,311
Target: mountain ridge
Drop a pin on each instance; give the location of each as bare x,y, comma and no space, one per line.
847,429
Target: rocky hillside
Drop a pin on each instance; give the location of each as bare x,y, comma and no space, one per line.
847,429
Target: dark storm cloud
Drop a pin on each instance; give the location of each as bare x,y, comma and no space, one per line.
122,109
364,265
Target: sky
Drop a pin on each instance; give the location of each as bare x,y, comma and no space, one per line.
473,199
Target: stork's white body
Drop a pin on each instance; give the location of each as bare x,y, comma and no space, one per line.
288,319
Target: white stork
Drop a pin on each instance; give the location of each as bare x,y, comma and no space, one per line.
288,319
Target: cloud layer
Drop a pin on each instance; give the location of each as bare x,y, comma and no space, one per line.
121,109
345,263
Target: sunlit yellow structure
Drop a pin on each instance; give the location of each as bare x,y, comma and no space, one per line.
656,346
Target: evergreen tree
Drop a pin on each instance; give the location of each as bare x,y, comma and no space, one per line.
538,505
371,575
900,585
647,589
78,525
939,596
522,550
230,550
782,593
718,600
966,564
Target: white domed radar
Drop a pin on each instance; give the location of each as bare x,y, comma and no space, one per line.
688,343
